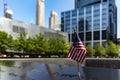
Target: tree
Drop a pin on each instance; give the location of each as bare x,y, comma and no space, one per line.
63,47
52,42
40,44
10,42
20,42
99,50
58,45
112,49
30,45
90,50
16,46
5,41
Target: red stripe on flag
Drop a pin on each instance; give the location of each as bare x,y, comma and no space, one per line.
77,53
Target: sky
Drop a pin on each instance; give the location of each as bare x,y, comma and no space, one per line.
25,10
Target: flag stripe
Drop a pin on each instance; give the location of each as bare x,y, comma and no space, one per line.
80,55
82,58
75,54
72,52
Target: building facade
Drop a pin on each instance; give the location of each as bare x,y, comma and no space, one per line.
96,21
14,28
53,20
40,13
84,3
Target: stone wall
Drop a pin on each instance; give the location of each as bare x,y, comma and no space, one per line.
103,62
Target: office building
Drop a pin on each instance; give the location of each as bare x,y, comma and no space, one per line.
96,21
54,21
84,3
40,13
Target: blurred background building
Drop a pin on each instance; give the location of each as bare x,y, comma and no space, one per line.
54,21
40,13
96,21
14,28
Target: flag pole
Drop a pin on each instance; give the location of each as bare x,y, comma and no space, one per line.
78,66
78,70
77,52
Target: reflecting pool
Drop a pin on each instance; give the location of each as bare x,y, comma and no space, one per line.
37,70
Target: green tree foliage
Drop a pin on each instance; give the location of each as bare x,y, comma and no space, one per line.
16,46
30,48
99,50
20,43
5,41
40,44
53,47
63,47
90,50
10,42
58,45
112,49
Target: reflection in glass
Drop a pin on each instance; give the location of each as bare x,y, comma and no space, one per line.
81,24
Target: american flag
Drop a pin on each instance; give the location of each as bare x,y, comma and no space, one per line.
77,51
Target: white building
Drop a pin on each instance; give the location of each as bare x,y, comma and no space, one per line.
54,21
14,28
40,13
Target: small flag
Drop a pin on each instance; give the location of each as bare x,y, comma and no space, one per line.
77,51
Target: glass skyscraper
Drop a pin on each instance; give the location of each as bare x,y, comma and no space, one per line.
96,21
